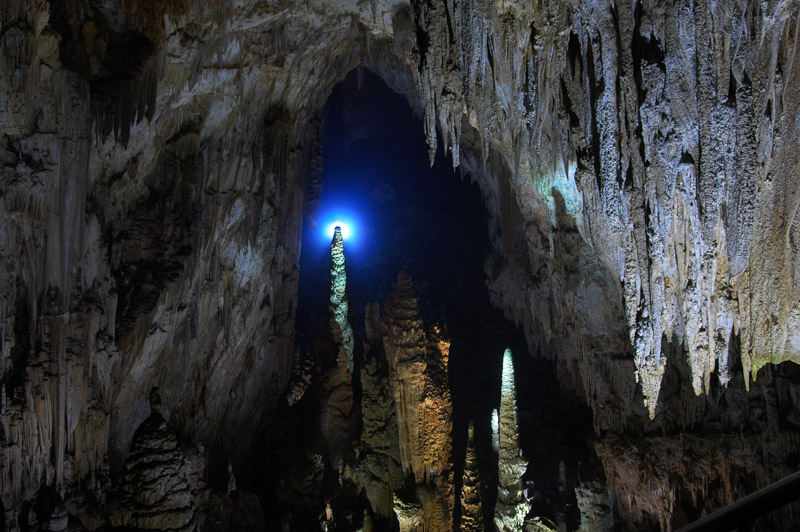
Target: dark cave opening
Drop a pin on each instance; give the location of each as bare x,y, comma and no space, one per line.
430,221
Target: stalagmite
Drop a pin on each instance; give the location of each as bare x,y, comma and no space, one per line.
338,396
511,508
340,326
418,373
471,508
378,469
156,490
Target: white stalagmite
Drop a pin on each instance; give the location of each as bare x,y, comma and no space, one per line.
340,326
495,431
512,506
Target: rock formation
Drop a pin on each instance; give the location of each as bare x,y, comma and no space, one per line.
596,506
418,373
471,507
511,507
378,468
340,324
409,515
338,380
157,494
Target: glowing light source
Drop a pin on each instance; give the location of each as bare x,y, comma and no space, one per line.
343,225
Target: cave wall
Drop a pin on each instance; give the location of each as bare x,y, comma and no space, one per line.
640,163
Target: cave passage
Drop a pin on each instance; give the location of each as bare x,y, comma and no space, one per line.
410,216
430,221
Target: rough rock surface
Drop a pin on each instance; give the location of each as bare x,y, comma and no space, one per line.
379,469
338,396
640,162
512,506
157,494
424,409
471,506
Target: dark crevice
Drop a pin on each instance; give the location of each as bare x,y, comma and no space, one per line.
574,58
730,101
14,377
422,41
686,158
574,122
594,95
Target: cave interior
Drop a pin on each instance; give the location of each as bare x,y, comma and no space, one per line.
562,292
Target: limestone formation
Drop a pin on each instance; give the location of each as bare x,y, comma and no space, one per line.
156,490
418,374
639,162
378,468
471,507
340,324
409,515
338,396
301,376
596,505
512,506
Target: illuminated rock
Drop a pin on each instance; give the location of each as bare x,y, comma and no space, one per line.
418,373
301,376
409,515
471,507
340,326
337,381
511,507
596,504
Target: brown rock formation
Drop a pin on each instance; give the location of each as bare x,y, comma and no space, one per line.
378,468
418,373
471,507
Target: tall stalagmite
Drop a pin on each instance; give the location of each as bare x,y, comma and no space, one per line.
471,508
512,506
340,325
338,394
418,373
378,469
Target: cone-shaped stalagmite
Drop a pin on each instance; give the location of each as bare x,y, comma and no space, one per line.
340,326
471,510
512,506
338,380
418,372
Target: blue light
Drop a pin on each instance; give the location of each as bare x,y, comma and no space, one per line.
345,227
339,215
